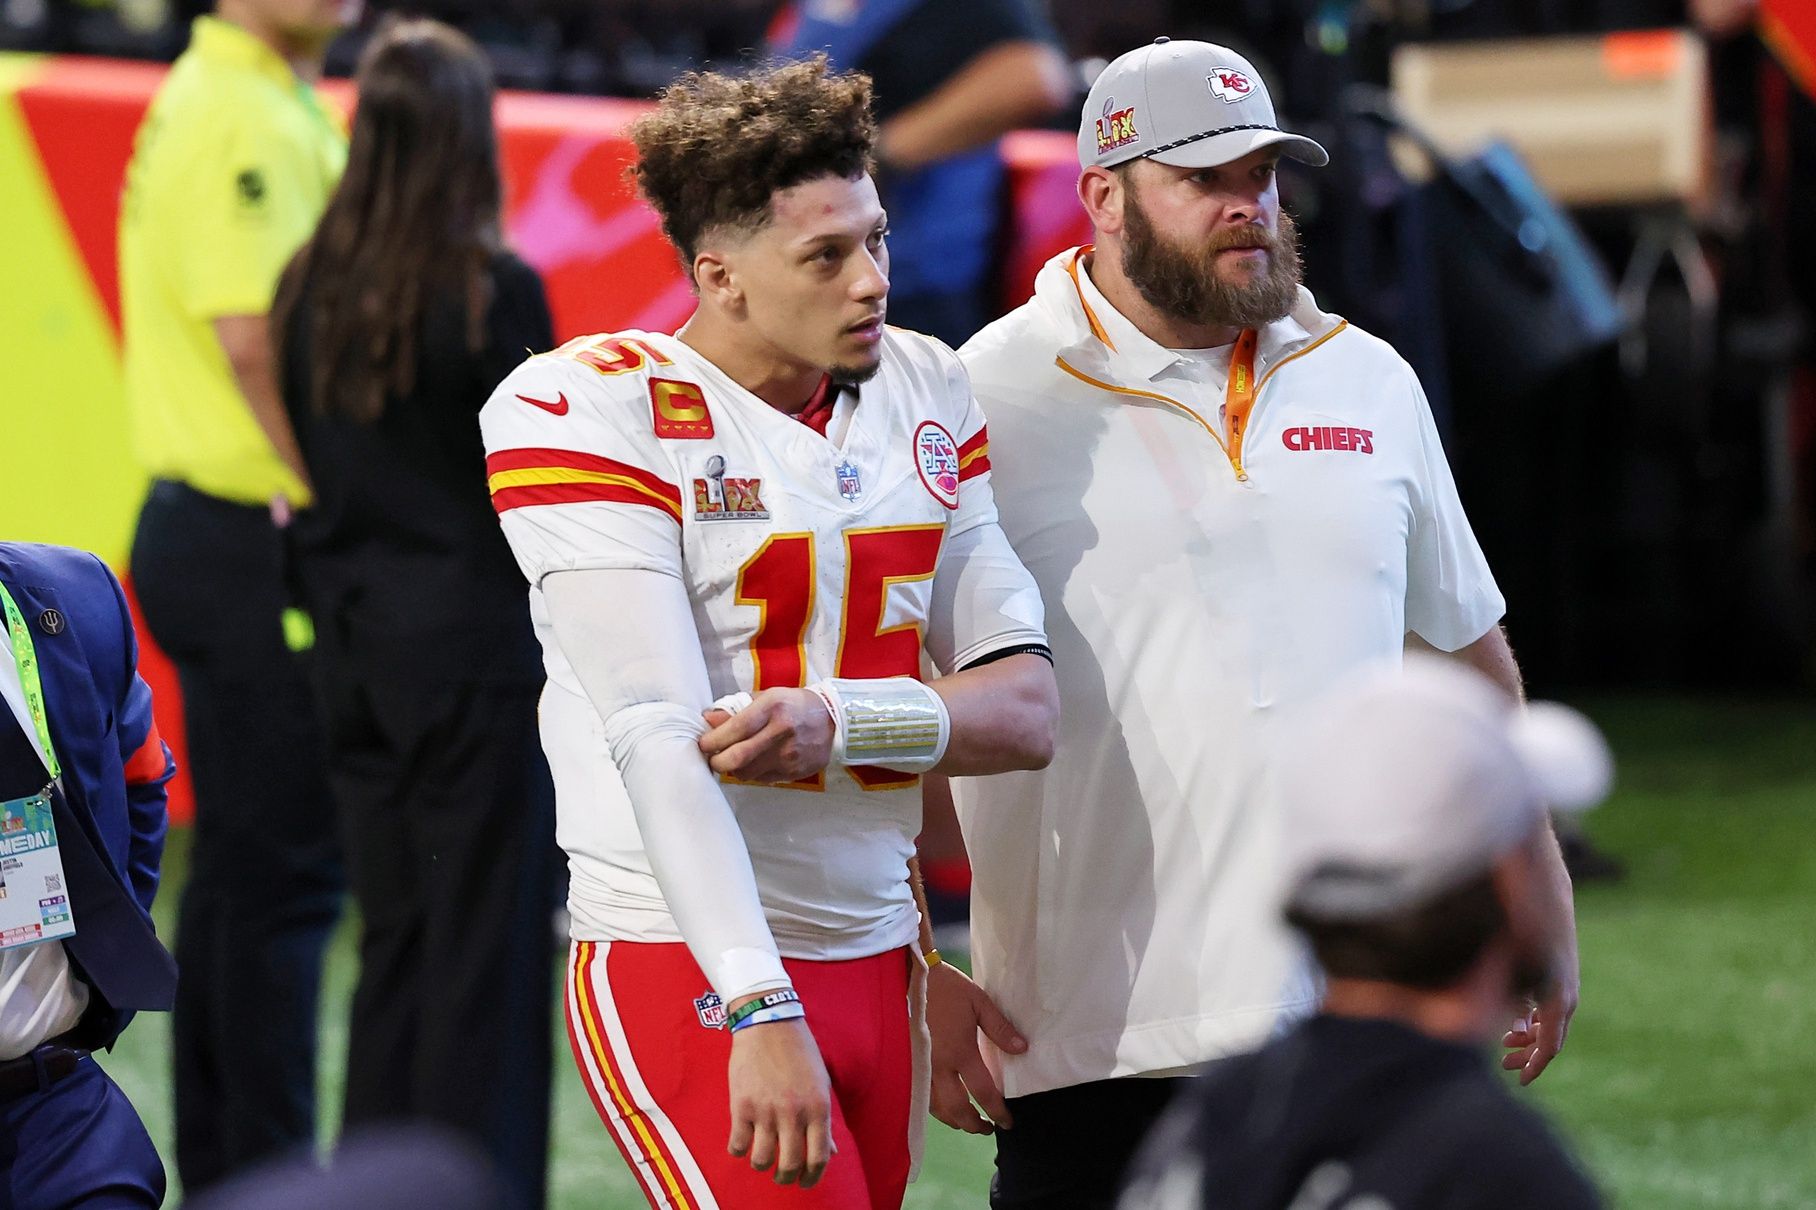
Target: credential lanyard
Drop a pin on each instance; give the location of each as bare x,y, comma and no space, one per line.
1239,396
26,656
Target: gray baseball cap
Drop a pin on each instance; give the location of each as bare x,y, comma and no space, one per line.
1401,784
1187,104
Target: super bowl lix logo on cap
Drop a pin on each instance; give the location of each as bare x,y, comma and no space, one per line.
1229,85
936,458
1116,128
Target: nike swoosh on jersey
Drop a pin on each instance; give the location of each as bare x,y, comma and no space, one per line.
559,407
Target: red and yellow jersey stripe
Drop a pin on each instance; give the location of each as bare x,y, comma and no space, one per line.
521,478
974,455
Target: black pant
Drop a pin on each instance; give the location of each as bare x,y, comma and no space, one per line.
264,874
1069,1147
448,817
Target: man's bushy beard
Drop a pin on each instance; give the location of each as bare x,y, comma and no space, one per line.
1184,282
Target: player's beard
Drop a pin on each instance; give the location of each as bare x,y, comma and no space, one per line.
851,376
1185,284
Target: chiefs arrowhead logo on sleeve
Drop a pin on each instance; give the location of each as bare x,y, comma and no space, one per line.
936,457
679,409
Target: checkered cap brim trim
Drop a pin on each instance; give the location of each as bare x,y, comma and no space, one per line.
1211,134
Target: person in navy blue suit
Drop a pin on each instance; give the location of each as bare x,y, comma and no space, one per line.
77,746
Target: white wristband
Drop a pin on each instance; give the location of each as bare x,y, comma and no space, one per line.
894,722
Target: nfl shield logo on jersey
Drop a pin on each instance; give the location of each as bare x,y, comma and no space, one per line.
711,1010
849,487
936,458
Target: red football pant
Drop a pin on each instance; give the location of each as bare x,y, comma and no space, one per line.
657,1075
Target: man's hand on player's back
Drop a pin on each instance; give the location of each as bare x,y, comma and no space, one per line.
781,1101
782,736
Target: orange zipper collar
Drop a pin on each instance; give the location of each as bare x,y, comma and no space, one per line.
1097,329
1206,425
1298,353
1232,450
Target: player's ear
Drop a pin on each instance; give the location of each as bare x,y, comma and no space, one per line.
715,281
1102,192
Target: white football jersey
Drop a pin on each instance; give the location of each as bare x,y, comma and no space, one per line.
803,558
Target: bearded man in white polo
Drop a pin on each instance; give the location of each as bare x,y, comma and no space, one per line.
1230,500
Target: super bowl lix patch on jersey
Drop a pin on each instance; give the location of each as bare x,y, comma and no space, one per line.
721,497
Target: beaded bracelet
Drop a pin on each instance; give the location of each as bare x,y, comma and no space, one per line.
767,1000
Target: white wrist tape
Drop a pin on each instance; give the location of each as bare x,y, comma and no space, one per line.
894,722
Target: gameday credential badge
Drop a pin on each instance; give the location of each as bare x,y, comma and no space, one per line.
711,1010
936,458
679,409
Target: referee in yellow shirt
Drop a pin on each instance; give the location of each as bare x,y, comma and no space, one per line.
231,169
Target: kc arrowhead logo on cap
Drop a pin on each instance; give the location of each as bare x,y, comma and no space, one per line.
1229,84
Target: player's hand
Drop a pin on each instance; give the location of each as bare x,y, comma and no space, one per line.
782,736
781,1102
1537,1037
957,1009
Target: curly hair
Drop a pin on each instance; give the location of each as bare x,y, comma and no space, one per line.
718,148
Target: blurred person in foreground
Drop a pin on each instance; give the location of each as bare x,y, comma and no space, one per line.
742,541
82,777
393,324
1413,811
232,166
950,77
391,1167
1229,499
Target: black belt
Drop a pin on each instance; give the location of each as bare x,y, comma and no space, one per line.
38,1070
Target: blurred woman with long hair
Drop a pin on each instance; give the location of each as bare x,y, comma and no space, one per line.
394,323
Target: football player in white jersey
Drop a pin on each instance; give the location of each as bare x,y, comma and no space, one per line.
746,541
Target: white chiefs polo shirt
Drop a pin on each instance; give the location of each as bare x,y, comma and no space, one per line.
1124,905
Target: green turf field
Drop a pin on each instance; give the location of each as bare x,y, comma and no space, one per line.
1690,1078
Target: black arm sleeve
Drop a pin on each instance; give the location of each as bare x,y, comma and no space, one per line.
1041,649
